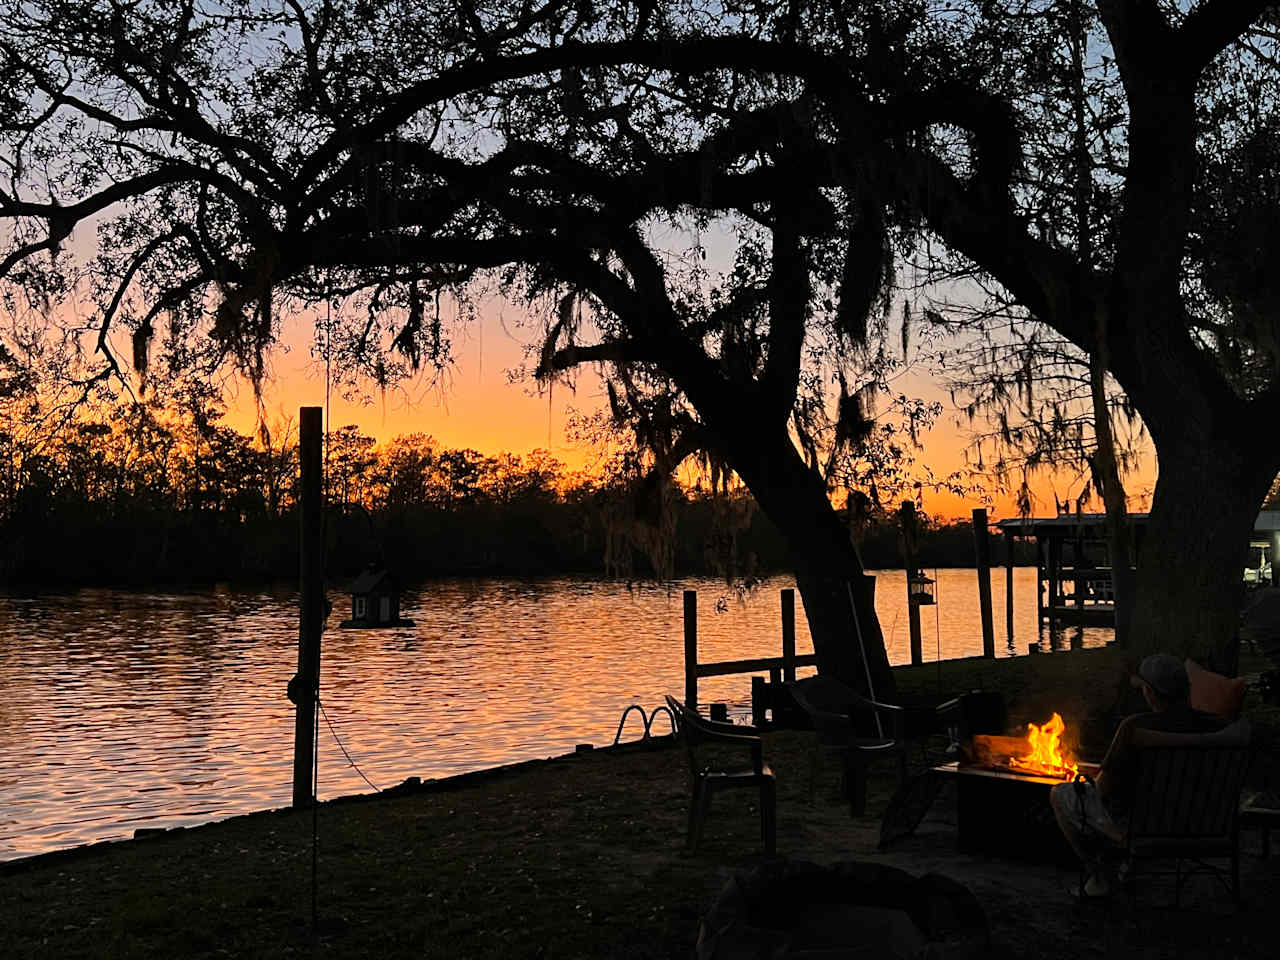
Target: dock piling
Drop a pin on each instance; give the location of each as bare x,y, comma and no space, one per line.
982,547
789,635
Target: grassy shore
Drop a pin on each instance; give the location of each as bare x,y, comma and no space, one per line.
581,856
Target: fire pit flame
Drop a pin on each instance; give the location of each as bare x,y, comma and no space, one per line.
1046,758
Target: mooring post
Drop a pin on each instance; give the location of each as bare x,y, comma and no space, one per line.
1077,570
691,649
1055,565
759,702
305,688
982,547
908,514
789,635
1008,587
1041,573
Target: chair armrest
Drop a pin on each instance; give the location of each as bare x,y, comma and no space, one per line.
732,729
866,704
715,736
895,713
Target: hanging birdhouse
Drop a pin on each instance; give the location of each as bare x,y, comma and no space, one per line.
921,589
375,602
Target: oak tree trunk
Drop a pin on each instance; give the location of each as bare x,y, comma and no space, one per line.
839,598
1189,586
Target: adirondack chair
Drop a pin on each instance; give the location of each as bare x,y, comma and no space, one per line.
704,781
1186,803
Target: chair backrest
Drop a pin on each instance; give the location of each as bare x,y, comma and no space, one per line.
1187,786
831,727
843,712
696,731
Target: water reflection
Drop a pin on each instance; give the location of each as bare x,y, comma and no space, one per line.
120,710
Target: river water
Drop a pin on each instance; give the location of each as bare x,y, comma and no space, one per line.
121,710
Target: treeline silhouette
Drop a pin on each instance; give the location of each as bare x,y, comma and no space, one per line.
159,497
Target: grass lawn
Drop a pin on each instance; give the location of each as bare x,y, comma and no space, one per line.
583,856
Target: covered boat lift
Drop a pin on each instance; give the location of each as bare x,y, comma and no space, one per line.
1073,564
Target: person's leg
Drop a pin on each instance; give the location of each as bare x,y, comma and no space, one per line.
1075,812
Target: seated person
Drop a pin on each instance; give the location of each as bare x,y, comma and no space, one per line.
1091,815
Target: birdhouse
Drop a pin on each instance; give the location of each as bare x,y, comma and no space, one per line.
375,601
921,589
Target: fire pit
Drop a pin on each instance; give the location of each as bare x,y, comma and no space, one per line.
1002,793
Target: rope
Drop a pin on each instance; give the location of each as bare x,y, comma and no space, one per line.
338,741
315,825
324,537
328,380
857,625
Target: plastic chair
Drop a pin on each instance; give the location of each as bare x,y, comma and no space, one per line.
836,731
705,782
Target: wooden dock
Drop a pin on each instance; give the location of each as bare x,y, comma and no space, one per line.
1073,572
1089,615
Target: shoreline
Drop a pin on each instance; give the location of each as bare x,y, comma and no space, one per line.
410,786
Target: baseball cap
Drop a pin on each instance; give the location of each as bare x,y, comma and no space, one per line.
1166,675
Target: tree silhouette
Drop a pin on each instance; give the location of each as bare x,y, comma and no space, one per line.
397,158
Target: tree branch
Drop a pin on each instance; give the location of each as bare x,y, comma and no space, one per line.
1212,26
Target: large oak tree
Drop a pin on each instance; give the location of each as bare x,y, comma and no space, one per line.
247,155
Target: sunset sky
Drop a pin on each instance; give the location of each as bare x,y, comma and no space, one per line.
475,405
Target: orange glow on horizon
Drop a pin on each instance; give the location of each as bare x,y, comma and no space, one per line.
475,406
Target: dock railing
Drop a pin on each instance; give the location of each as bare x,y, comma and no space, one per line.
779,668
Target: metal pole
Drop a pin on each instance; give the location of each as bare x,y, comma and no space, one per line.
691,649
305,688
1008,586
908,512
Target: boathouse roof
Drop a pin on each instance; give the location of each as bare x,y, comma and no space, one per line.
1268,522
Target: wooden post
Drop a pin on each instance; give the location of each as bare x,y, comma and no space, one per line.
789,635
908,513
759,702
1008,586
982,547
1077,576
1040,577
1054,545
691,649
305,689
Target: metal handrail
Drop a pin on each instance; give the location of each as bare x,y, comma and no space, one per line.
622,722
654,716
647,719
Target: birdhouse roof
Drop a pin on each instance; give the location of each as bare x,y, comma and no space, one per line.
371,580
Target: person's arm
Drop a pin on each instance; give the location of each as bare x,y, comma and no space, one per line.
1114,761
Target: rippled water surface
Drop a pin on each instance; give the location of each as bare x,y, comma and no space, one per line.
121,710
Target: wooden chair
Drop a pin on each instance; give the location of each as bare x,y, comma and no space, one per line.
1186,802
836,731
704,781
